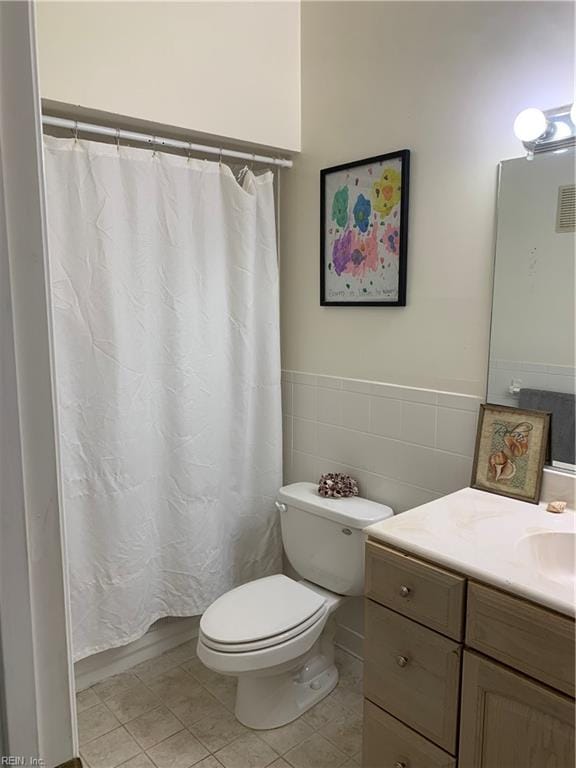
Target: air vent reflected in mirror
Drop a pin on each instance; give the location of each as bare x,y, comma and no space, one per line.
566,212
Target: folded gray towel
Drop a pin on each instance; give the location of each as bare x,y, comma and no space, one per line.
562,407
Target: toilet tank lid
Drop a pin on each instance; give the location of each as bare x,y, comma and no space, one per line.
354,511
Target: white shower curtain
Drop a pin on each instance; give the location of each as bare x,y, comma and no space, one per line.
165,299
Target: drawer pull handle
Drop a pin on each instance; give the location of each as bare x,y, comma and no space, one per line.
404,591
402,661
399,764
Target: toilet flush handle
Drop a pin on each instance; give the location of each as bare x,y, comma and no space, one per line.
280,507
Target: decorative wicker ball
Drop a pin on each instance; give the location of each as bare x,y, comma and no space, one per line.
337,485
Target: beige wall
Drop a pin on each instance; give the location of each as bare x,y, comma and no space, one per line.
226,68
446,81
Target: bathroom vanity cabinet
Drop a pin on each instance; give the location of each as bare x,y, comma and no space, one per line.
458,673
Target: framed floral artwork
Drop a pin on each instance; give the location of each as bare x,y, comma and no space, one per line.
511,447
364,232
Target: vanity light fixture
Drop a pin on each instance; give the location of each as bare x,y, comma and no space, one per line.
546,130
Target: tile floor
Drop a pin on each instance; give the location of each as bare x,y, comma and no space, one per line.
172,712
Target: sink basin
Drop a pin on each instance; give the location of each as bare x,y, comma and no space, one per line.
552,554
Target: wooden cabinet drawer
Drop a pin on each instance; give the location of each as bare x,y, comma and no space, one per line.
422,592
389,743
413,673
510,721
522,635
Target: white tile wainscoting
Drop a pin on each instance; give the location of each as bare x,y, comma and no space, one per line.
405,446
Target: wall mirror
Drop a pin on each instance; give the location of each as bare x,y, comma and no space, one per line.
532,343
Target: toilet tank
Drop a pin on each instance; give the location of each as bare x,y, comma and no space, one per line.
324,538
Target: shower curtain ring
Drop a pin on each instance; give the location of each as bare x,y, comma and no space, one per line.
189,150
154,146
75,130
118,139
220,158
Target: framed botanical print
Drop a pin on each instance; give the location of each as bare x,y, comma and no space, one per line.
511,446
364,232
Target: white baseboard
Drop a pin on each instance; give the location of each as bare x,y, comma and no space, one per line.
350,641
161,637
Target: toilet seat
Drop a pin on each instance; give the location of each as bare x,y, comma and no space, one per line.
261,614
267,642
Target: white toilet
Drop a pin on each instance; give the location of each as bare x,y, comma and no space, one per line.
276,634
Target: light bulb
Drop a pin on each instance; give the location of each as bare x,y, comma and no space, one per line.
573,113
530,124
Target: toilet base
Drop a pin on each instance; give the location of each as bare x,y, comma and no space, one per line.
270,702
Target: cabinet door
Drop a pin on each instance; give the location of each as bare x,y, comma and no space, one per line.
510,721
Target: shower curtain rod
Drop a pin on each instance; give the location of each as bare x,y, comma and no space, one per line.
157,141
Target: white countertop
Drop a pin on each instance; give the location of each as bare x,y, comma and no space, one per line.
476,533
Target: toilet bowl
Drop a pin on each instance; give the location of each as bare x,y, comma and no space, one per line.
276,634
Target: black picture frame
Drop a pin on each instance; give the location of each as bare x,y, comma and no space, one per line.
404,156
